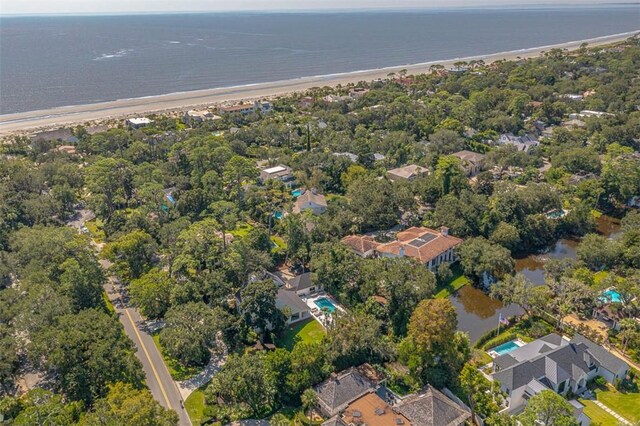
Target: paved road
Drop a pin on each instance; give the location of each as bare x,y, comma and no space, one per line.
159,379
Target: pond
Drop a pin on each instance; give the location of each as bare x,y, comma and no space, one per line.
478,313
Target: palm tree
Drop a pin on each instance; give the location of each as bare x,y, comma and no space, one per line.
628,332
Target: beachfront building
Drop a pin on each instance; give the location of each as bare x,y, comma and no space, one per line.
198,116
358,92
310,201
427,246
409,172
281,173
472,162
138,122
247,108
554,363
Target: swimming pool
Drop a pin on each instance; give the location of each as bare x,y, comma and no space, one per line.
610,296
297,192
505,348
325,303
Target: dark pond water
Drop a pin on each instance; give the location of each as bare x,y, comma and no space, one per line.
478,313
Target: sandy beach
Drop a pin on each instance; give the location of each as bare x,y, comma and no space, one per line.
26,122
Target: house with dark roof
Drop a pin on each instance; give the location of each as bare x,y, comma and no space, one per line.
337,392
357,396
428,246
430,407
554,363
288,301
301,284
522,143
310,201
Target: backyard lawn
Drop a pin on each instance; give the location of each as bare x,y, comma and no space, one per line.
627,404
598,416
242,230
457,281
194,405
308,331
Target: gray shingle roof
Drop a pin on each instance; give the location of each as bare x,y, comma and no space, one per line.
335,393
334,421
432,408
553,360
301,282
292,300
604,357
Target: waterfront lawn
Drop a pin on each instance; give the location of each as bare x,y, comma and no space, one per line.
481,358
307,331
194,405
624,403
178,371
455,283
527,330
598,416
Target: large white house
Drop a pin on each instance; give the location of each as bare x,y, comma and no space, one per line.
554,363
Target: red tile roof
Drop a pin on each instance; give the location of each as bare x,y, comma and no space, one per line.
360,244
436,244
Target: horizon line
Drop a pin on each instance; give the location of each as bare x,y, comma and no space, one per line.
323,10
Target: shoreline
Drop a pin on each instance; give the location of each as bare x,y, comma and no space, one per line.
31,121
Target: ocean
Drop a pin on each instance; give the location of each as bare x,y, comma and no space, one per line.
50,61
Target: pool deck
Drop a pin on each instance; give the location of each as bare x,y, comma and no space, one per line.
494,354
323,318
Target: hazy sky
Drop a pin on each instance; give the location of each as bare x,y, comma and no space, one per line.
102,6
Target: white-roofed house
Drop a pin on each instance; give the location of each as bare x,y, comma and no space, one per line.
138,122
282,173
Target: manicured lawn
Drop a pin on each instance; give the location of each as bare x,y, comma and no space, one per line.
599,276
194,405
279,242
481,357
308,331
177,370
598,416
241,230
456,282
626,404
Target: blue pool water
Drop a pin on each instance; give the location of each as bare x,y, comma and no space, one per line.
610,296
505,348
277,215
296,192
324,303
